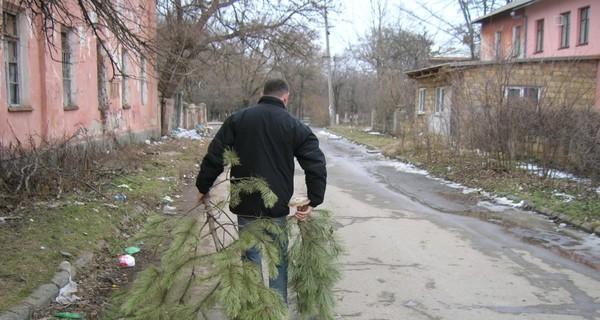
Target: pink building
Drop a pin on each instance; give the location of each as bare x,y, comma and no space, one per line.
540,52
541,29
54,86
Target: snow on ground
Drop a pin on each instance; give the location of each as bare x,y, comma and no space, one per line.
186,134
500,201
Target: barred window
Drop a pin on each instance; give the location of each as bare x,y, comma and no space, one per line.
67,67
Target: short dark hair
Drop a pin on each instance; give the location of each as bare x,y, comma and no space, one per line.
276,88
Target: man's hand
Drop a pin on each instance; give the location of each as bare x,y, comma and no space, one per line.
203,198
303,212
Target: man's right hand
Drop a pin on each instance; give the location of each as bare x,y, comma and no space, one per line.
303,212
203,198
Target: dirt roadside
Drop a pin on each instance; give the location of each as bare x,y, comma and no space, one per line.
102,276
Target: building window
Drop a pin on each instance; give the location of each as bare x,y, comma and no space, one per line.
125,79
439,99
516,45
498,44
143,82
539,38
421,100
523,95
565,28
67,67
11,58
584,25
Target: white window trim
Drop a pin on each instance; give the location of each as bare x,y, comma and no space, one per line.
440,99
522,90
517,48
421,106
24,102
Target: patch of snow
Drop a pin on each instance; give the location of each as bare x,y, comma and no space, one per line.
565,197
408,168
329,134
186,134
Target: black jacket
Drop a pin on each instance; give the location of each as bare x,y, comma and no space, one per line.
266,137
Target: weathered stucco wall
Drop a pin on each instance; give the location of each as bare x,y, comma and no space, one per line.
42,111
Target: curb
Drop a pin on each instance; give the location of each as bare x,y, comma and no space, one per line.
44,295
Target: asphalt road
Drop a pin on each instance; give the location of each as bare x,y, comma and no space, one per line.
419,248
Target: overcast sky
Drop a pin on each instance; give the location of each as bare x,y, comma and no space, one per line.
356,17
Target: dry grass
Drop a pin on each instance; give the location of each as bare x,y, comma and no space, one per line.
471,170
51,220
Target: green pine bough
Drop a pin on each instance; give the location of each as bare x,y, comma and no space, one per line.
191,280
314,269
201,269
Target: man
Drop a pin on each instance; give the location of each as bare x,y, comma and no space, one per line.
267,138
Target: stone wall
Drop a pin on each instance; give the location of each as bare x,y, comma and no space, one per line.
561,83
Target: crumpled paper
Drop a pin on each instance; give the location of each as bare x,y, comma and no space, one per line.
66,294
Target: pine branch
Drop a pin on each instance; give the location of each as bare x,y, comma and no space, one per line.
251,185
164,291
314,270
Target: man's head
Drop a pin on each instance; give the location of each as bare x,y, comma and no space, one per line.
277,88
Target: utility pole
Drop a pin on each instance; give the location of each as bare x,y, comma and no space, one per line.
329,85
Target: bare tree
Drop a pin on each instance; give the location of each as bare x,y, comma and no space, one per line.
186,31
388,52
124,23
549,121
462,31
232,74
189,29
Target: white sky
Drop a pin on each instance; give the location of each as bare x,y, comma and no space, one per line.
356,17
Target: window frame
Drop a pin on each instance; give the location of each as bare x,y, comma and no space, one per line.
421,106
498,44
68,69
13,73
523,90
565,30
143,81
584,26
539,39
125,88
439,99
516,43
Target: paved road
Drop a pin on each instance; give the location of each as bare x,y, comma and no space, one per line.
421,249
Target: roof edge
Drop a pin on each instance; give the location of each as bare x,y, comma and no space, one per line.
515,5
429,71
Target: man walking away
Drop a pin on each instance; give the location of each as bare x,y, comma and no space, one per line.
267,138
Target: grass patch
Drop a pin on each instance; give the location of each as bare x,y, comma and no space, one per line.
559,195
42,232
368,139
